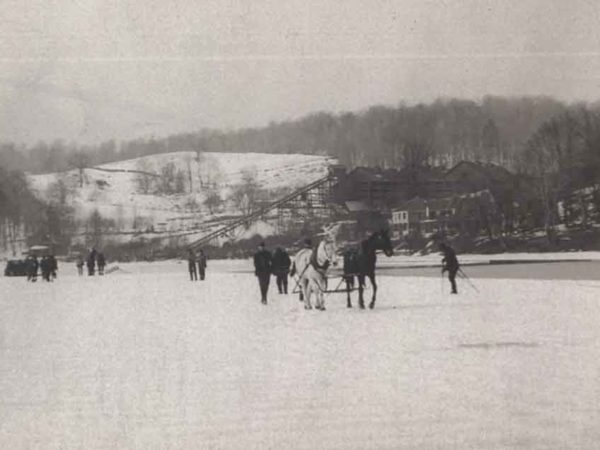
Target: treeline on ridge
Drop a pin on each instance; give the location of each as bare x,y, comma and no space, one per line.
494,129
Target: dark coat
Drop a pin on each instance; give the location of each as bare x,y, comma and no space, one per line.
101,260
32,265
45,264
262,262
191,261
281,262
449,261
201,261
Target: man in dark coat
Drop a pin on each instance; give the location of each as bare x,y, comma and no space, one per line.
281,268
101,263
262,269
45,267
201,264
91,262
450,264
32,268
192,265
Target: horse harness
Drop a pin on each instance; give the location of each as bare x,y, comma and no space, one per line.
321,268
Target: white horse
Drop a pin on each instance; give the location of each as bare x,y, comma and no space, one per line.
311,267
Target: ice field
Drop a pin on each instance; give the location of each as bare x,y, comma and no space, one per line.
145,359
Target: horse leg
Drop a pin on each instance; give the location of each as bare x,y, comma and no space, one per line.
302,285
348,284
361,288
374,285
318,298
307,296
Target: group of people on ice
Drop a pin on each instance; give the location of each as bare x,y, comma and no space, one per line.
359,263
47,265
94,258
278,264
198,260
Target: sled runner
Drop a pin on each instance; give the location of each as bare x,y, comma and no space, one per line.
338,289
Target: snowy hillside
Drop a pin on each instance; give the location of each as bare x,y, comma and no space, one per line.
114,189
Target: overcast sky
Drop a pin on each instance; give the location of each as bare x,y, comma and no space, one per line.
91,70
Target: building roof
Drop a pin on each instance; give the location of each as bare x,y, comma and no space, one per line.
491,172
421,174
357,206
418,203
370,174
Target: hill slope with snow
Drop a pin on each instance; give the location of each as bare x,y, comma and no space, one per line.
114,189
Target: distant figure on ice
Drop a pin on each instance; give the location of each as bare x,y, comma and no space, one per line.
450,264
101,263
262,269
45,267
192,265
201,264
53,266
281,268
91,262
79,264
32,268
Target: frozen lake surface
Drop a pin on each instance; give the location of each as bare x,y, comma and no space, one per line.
143,358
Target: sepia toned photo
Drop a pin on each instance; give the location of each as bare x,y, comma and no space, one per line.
318,224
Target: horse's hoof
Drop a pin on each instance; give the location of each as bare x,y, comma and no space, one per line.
348,306
371,305
322,308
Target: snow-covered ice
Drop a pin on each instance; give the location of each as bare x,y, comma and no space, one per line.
143,358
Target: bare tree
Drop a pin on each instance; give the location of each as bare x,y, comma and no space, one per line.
97,227
167,179
543,160
179,184
213,200
245,196
59,191
80,161
188,163
143,178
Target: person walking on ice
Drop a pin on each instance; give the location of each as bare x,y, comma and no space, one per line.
262,269
101,263
202,264
192,265
450,264
91,262
281,268
79,264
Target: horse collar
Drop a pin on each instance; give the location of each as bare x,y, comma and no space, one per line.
315,263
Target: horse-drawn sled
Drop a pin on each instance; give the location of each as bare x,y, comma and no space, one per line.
311,268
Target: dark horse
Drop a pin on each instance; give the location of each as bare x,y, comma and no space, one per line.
360,262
